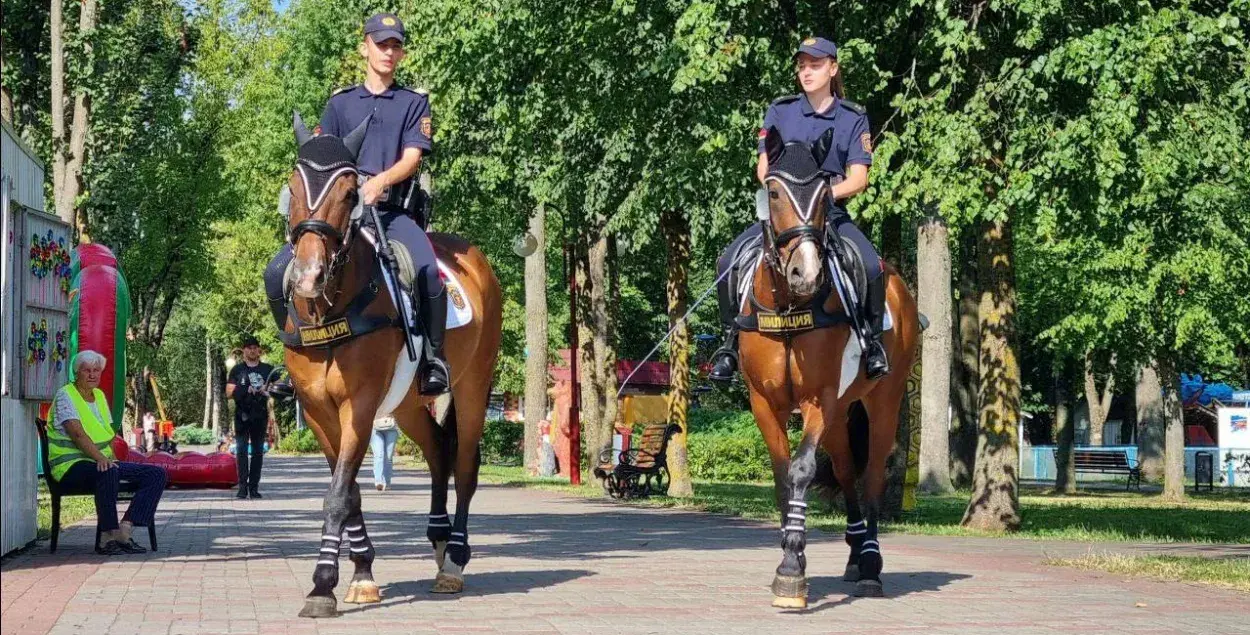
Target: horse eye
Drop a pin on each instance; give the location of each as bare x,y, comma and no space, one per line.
773,195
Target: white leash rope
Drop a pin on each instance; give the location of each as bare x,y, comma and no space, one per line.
694,306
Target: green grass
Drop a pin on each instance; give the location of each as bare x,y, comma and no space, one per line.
1233,573
1087,517
73,509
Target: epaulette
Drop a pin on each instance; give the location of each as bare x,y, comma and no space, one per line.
853,107
785,99
419,91
343,90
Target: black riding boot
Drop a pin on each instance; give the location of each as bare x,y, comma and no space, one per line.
725,359
435,377
875,363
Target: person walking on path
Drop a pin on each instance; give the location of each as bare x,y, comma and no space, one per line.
382,443
80,457
247,387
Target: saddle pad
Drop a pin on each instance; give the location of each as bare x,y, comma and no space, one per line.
459,311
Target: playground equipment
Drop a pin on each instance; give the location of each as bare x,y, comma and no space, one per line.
98,314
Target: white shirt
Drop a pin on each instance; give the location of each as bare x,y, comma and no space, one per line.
66,411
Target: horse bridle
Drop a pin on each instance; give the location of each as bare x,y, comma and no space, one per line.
805,231
323,229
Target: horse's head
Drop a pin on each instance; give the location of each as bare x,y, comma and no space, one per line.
324,205
798,202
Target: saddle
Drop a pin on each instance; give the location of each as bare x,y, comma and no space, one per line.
811,316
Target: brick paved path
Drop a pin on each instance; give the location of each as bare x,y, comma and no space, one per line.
544,562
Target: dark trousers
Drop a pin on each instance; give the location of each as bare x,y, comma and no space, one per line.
151,479
252,432
840,223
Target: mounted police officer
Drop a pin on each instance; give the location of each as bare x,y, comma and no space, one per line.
804,117
398,136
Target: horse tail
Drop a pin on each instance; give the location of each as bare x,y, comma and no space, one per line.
447,437
857,427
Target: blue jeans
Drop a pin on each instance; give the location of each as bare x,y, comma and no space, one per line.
383,445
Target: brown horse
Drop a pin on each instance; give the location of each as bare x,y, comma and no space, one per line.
795,358
345,379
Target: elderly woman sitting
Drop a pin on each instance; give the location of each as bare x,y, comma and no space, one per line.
80,455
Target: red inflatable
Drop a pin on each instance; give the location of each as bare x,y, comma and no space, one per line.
98,315
187,470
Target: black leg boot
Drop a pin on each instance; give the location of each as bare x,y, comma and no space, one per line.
435,376
725,359
875,363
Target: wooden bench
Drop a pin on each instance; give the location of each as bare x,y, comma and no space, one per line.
56,493
1106,462
643,470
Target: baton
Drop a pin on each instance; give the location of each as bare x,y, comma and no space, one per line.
392,266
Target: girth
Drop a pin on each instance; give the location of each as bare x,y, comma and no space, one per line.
810,316
353,323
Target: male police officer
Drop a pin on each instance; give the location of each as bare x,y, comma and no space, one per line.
397,138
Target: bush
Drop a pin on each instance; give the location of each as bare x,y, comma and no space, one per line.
189,435
727,446
300,442
503,442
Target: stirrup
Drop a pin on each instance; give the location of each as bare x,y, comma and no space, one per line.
435,377
719,357
876,347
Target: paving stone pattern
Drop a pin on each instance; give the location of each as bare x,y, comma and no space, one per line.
549,563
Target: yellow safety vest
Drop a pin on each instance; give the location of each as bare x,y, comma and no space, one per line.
62,452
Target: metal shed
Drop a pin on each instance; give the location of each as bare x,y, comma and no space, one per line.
22,205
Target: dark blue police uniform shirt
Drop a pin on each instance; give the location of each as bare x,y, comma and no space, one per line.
401,119
795,119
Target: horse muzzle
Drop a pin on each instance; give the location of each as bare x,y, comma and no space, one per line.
803,269
307,279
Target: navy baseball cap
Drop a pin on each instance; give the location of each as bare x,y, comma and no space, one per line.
250,340
384,26
818,47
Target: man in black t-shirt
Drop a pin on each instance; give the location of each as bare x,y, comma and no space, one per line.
248,386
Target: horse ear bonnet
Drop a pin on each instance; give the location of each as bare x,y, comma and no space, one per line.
796,162
320,162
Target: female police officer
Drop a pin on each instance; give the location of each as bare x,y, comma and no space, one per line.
804,118
398,136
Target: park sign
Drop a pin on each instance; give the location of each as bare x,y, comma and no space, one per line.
1234,461
1241,396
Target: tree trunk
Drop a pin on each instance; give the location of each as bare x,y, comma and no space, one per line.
57,54
1099,403
677,240
1065,434
934,264
206,419
605,340
535,338
965,370
78,133
1151,423
218,406
892,241
995,503
1173,432
587,371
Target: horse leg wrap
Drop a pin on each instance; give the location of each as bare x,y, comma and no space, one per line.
458,550
870,562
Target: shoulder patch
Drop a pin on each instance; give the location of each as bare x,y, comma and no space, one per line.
785,99
853,107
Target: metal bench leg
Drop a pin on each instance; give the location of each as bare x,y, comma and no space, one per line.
56,521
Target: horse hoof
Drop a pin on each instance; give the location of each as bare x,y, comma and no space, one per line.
445,583
363,592
790,591
851,574
869,589
450,580
319,606
440,554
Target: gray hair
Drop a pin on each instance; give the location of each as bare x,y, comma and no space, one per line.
89,358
